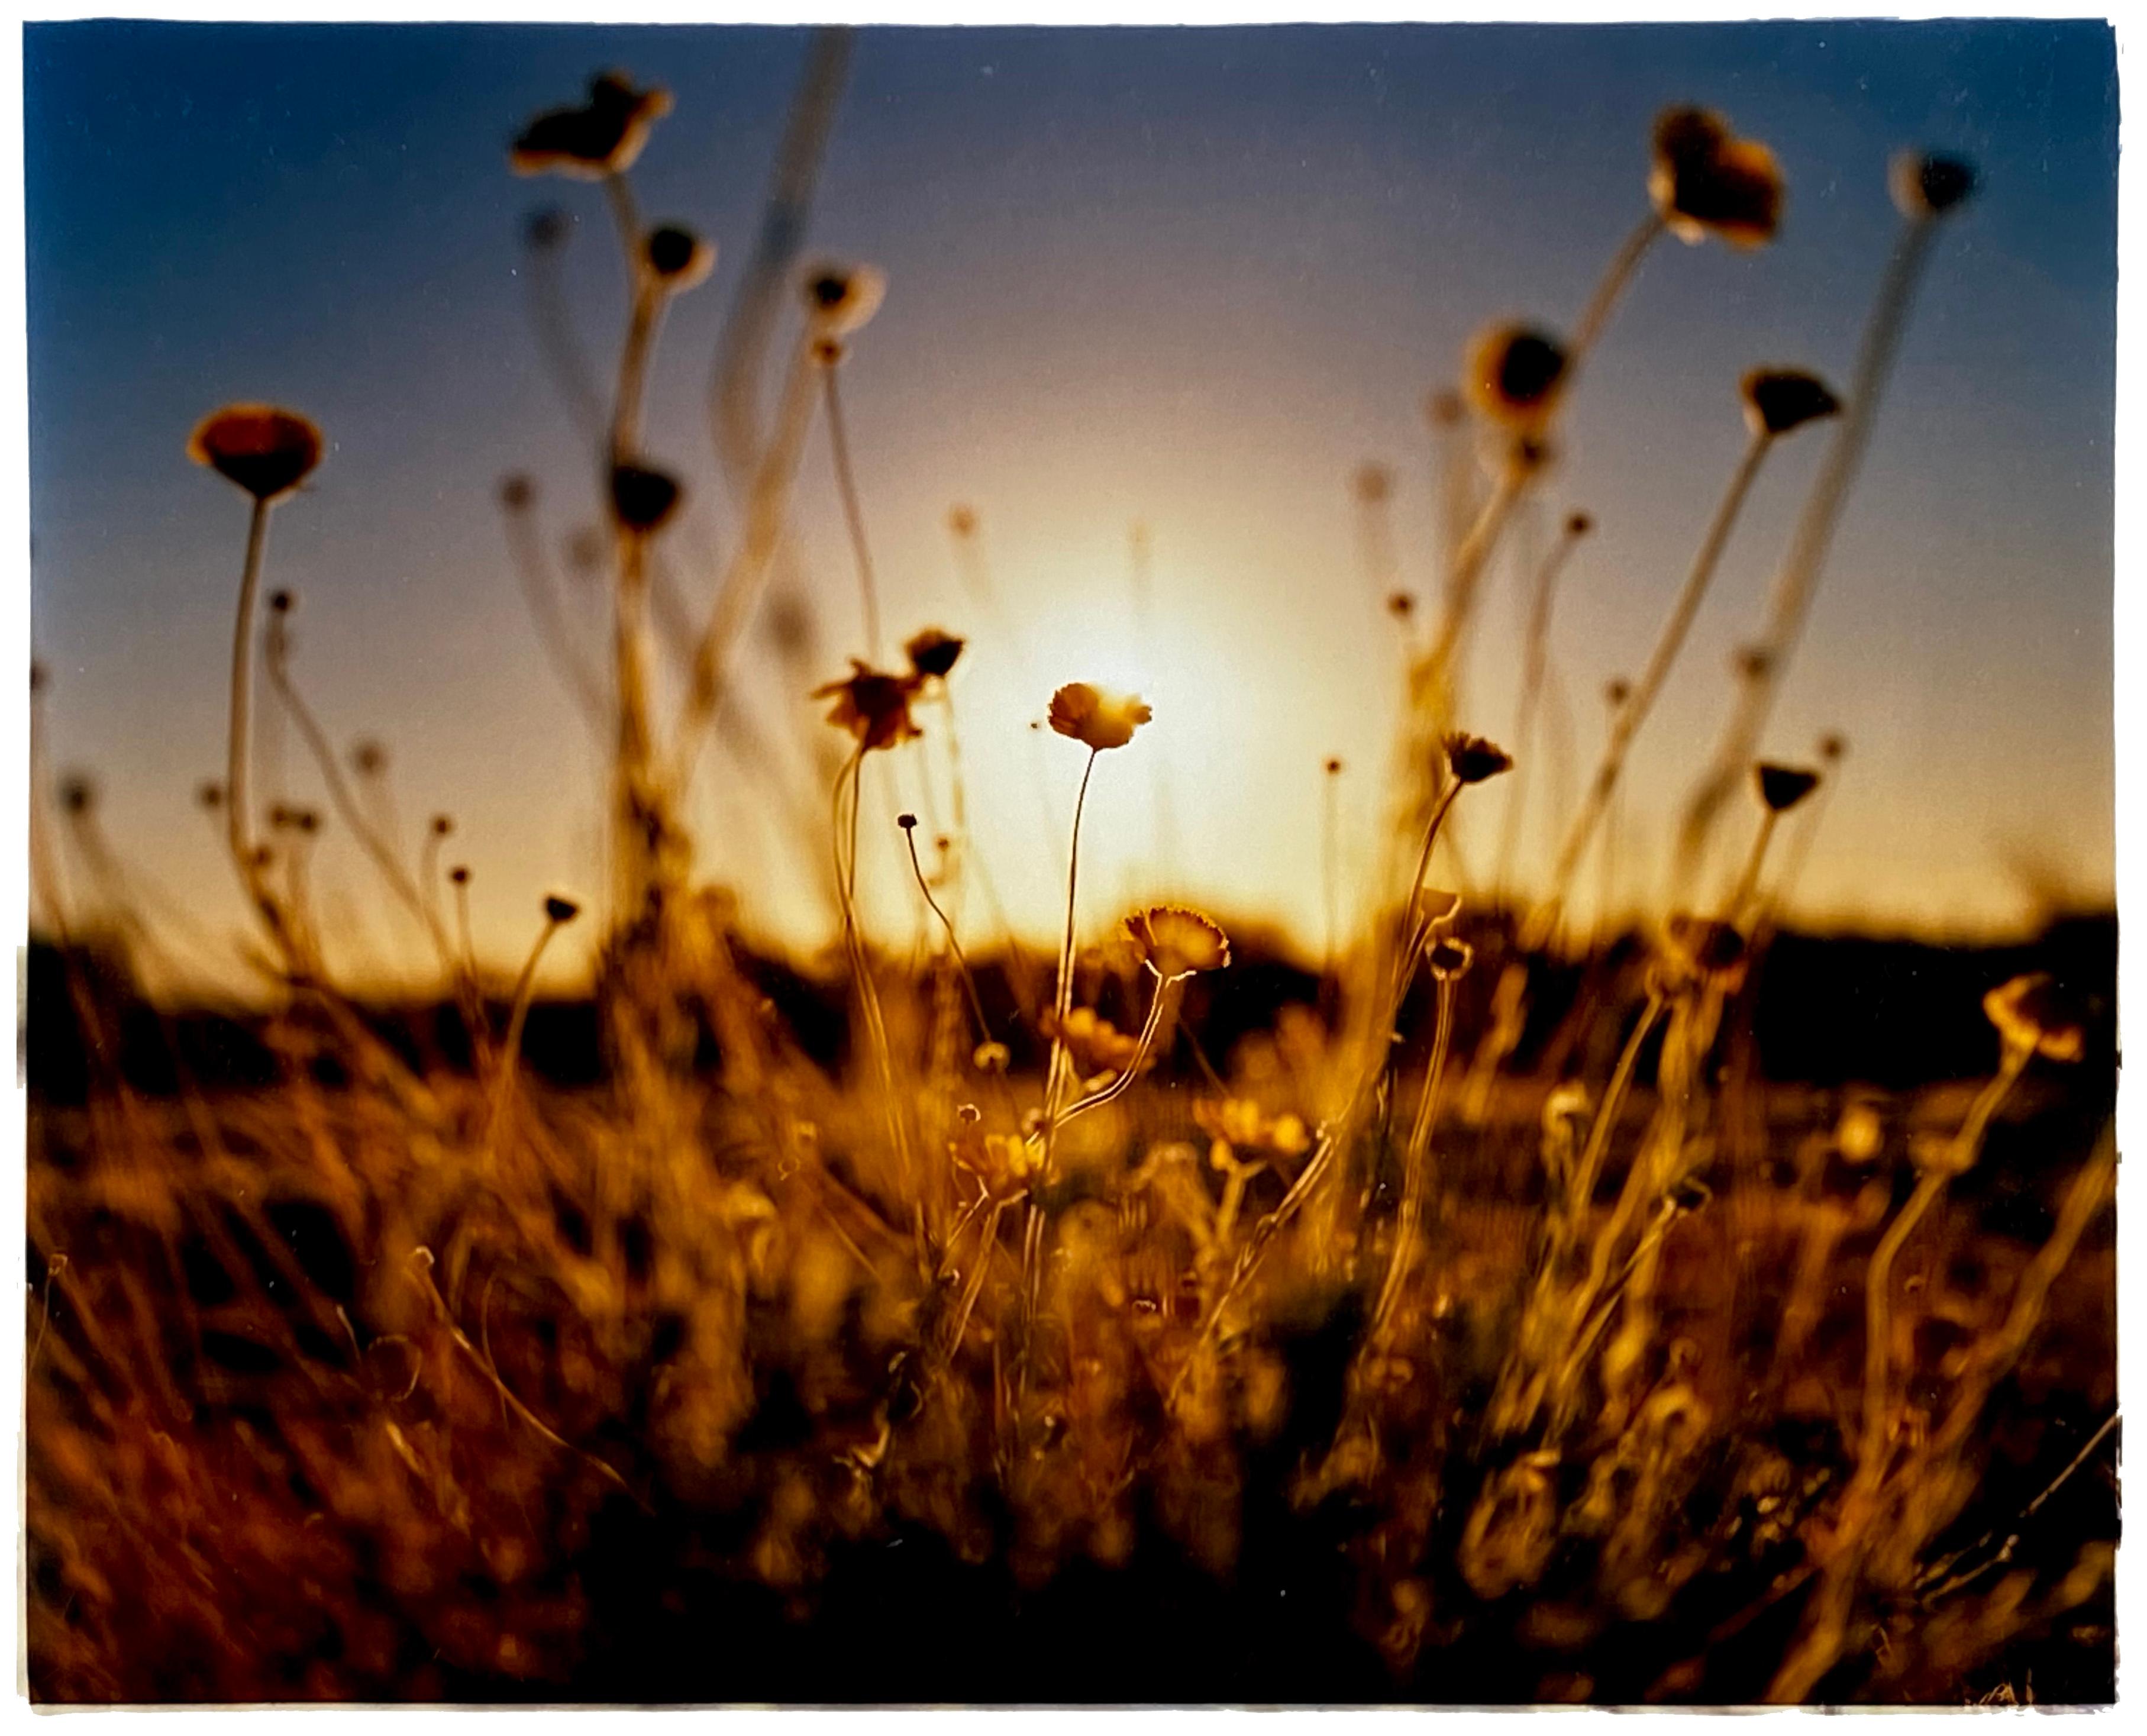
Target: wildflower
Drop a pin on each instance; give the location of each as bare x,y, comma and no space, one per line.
1927,184
1174,943
1449,959
1003,1162
560,909
1095,1044
932,653
1334,767
1781,788
1706,180
1780,399
1580,524
1095,719
840,298
1401,605
872,705
678,257
602,138
1374,483
266,451
281,602
2030,1015
1512,376
908,822
1473,760
642,498
459,874
1237,1124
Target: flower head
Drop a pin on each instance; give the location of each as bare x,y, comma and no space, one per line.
2031,1015
1173,942
872,705
642,498
1705,181
932,653
602,136
1003,1163
840,298
1927,184
1698,948
1093,1043
1239,1124
1580,524
560,909
678,257
1095,719
1472,759
1449,958
1781,788
1512,376
266,451
1780,399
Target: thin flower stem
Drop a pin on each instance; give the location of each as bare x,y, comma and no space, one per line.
1804,563
1534,663
237,797
1748,883
1413,1166
1160,1007
953,945
1063,998
1629,716
846,484
1617,275
846,872
525,986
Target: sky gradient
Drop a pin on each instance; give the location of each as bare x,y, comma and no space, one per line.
1190,279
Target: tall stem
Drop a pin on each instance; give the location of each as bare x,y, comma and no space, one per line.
846,484
1813,537
1063,999
1627,722
1617,275
525,987
1748,882
1534,662
1413,1166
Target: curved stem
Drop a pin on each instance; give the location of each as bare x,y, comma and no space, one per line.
1616,277
1535,661
525,986
1411,1217
954,946
1159,1008
239,819
1063,999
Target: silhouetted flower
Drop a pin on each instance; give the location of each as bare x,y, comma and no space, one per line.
642,498
678,257
602,137
2031,1014
558,910
1928,183
1472,759
442,825
840,298
1578,524
932,652
1334,767
1706,180
1401,604
1173,942
1095,719
1778,399
872,705
266,451
1512,376
1704,947
1781,788
1449,958
459,874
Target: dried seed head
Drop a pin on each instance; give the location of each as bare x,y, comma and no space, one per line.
459,874
1780,399
1401,604
78,792
1449,958
1334,767
678,257
442,825
932,653
1781,788
908,822
642,498
872,705
558,910
839,298
1512,376
1578,524
1472,759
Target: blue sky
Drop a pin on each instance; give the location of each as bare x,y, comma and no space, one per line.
1187,277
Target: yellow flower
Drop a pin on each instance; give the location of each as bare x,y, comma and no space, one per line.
1003,1162
2030,1015
602,137
1238,1123
1174,943
872,705
1095,719
266,451
1095,1044
1706,180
